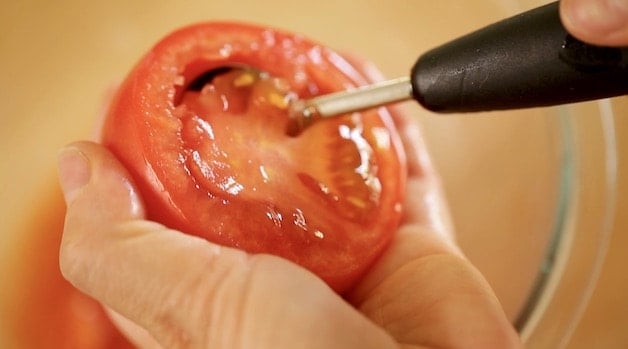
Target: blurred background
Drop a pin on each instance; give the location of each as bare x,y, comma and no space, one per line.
537,196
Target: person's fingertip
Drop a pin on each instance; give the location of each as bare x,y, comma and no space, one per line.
74,171
598,21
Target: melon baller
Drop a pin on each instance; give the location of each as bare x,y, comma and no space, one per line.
525,61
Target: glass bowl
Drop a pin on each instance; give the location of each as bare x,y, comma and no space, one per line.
531,191
583,227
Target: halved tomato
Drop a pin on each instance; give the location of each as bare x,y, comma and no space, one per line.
201,122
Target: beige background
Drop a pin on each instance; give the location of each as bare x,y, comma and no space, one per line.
59,60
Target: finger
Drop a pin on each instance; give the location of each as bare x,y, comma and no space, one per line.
425,292
185,291
602,22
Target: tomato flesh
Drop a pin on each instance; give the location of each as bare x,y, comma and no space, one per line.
213,158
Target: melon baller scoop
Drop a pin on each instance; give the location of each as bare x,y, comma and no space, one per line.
525,61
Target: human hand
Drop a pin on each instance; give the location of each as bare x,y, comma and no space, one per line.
172,290
602,22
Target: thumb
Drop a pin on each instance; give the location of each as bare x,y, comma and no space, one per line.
602,22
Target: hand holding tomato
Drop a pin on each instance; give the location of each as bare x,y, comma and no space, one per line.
210,156
182,291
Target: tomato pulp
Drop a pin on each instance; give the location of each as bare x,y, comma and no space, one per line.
209,149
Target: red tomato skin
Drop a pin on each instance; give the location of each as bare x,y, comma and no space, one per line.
143,110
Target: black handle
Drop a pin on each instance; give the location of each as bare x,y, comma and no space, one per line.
525,61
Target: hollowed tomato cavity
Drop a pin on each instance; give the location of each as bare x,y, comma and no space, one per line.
236,147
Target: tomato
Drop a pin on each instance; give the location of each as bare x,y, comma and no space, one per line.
211,155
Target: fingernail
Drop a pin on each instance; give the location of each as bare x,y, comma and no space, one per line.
599,16
74,171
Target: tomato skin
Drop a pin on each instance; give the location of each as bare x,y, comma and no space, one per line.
146,132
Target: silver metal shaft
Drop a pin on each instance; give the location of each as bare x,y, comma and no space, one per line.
358,99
